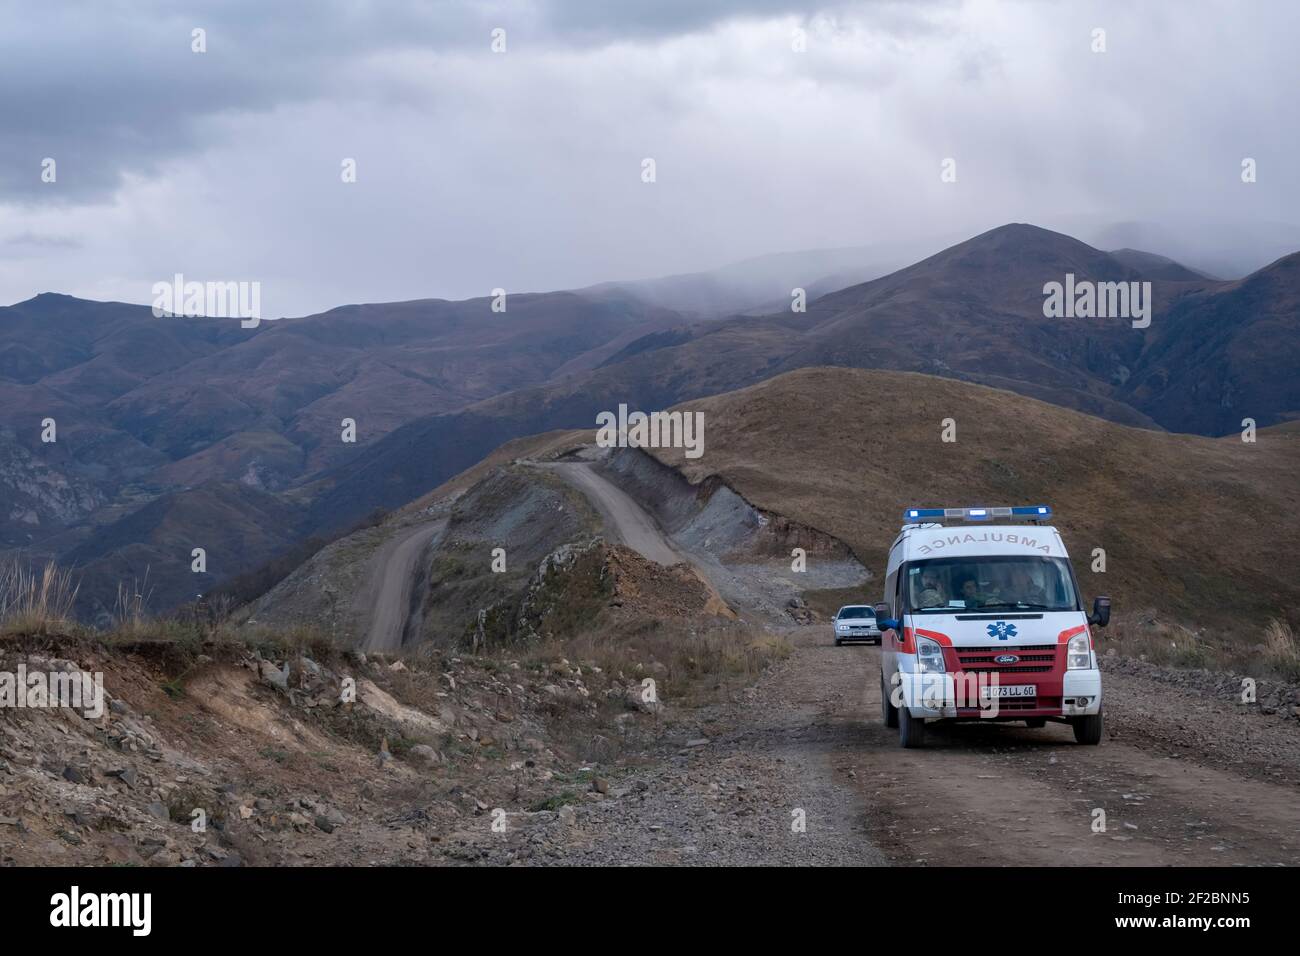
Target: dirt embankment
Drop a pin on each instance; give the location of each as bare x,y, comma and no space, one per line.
223,755
759,561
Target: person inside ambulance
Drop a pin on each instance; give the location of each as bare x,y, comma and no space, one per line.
971,594
930,593
1024,590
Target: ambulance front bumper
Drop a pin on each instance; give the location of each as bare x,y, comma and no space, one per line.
1076,693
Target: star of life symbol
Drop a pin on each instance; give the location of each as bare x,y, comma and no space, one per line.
1002,630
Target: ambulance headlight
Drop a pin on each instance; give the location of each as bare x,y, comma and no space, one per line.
929,657
1078,653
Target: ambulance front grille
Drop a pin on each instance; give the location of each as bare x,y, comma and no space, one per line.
1034,659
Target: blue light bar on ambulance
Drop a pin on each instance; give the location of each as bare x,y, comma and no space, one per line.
976,514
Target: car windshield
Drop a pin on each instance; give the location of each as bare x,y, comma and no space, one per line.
1010,583
856,612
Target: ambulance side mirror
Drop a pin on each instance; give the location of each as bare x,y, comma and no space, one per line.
883,620
1100,615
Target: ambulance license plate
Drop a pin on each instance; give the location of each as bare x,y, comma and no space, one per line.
1010,690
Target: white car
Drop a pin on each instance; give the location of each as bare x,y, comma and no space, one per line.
984,621
856,622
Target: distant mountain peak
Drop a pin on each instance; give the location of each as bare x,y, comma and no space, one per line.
48,298
1023,231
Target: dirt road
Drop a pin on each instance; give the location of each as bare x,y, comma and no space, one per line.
388,587
1183,781
628,522
625,520
392,568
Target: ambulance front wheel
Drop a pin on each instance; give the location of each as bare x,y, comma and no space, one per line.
911,730
888,712
1087,730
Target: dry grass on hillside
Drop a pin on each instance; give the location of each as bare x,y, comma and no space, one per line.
650,637
1272,650
1202,529
35,601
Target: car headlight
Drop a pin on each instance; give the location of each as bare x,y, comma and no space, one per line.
1078,653
929,657
841,627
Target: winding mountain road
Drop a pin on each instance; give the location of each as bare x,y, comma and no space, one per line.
388,587
625,519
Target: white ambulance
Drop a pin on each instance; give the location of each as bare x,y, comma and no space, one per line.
982,620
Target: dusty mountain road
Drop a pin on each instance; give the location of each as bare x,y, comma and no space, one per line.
1184,782
1181,779
628,522
625,520
388,585
758,781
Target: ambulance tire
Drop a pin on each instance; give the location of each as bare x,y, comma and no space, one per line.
1087,730
887,710
911,730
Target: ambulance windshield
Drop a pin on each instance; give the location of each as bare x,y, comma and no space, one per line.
994,583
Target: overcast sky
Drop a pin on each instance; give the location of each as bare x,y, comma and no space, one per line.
523,169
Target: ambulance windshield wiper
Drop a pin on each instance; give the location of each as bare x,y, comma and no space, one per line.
1016,606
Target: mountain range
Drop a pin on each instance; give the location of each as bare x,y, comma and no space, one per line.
174,434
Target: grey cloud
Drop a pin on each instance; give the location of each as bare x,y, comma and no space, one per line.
522,171
28,245
599,19
109,90
33,240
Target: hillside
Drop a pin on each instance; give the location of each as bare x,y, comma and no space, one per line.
1236,354
1196,527
151,412
167,403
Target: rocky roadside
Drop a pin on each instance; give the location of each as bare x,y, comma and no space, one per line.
451,759
757,780
239,756
1270,697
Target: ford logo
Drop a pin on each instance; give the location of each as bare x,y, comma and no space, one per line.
1006,659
